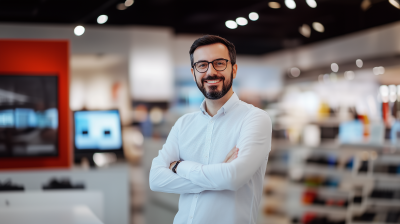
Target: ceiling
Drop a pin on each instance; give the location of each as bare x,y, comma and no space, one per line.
274,30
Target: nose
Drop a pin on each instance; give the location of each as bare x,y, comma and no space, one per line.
211,71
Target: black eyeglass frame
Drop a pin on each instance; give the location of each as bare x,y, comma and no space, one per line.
212,62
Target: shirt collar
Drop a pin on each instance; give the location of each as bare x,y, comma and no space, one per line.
226,107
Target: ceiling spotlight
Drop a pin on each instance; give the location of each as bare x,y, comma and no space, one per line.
311,3
290,4
365,4
395,3
102,19
334,67
253,16
349,75
121,6
128,3
305,30
231,24
274,5
241,21
378,70
318,27
79,30
359,63
295,72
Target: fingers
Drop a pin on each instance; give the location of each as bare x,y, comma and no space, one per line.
233,150
234,156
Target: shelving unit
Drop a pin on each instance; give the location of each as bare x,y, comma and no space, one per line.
288,164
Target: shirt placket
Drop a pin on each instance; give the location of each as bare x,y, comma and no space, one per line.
210,127
206,159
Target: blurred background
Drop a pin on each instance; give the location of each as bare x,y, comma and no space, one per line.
89,91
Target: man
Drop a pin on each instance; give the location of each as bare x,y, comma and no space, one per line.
215,158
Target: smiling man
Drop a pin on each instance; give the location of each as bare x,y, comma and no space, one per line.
215,158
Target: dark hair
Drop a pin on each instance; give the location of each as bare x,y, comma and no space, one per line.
212,39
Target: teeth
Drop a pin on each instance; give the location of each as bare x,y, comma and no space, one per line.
213,81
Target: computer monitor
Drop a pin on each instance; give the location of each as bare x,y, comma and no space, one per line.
28,115
97,131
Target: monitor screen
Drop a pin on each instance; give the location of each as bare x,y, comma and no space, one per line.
28,116
97,131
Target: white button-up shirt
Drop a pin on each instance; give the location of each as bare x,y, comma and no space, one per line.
212,191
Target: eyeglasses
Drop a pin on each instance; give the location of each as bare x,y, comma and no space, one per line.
218,64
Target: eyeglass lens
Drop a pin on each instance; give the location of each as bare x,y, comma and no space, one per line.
218,65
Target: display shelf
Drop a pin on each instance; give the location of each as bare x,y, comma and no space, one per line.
369,223
325,209
383,202
273,219
323,170
324,190
349,179
277,165
386,177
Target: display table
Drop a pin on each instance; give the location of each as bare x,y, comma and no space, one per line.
46,215
112,182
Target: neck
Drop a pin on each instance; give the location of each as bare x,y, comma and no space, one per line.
212,106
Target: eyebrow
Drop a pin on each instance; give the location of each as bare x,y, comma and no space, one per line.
210,61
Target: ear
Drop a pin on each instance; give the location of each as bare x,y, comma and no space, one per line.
194,77
234,70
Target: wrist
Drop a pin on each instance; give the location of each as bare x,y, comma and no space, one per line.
175,166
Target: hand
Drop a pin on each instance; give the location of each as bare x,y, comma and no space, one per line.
172,165
232,155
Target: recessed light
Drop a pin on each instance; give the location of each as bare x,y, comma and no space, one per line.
311,3
79,30
128,3
318,27
253,16
102,19
334,67
359,63
241,21
305,30
231,24
290,4
121,6
274,5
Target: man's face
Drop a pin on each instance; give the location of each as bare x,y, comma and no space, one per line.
213,84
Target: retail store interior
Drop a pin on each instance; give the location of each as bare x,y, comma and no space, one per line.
89,91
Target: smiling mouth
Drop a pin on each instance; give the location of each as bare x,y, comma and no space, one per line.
213,81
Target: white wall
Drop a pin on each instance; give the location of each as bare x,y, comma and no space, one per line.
151,64
371,43
100,82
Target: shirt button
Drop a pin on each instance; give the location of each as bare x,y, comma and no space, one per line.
191,217
206,156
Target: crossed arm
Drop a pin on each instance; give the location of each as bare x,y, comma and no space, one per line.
192,177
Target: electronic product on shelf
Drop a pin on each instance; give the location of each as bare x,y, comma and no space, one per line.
28,115
96,132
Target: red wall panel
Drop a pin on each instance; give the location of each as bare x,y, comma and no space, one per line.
41,57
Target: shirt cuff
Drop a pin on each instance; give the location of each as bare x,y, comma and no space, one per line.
185,167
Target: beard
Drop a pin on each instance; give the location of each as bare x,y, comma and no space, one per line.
214,93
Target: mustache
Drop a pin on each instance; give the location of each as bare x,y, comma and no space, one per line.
214,77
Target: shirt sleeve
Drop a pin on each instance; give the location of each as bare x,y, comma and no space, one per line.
161,178
254,145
